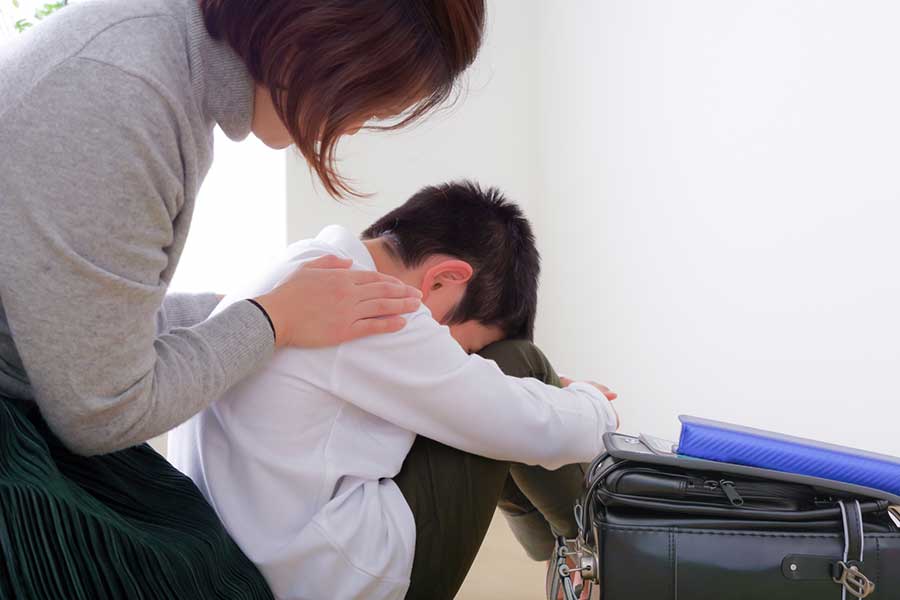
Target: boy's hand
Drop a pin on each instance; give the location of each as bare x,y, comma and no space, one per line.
610,395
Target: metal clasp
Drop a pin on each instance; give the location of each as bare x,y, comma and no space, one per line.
894,512
585,563
853,580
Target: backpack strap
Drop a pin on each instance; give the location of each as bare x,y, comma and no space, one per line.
848,572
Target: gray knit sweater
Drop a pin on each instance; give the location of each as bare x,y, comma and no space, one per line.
106,118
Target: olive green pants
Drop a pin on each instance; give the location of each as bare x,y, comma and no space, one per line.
453,495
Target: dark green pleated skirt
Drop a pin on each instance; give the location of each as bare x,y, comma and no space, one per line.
124,525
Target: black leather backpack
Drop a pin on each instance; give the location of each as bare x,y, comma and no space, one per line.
665,527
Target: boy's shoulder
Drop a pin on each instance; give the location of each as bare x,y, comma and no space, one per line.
334,240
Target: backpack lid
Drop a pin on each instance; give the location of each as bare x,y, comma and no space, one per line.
626,447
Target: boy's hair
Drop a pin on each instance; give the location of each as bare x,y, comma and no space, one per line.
482,228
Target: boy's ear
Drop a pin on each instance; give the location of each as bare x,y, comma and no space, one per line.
447,272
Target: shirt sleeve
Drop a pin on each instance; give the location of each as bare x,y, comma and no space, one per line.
422,380
90,204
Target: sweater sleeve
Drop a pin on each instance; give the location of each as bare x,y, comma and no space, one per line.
92,184
185,310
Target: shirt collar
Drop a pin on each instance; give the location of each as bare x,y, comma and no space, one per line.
222,83
340,237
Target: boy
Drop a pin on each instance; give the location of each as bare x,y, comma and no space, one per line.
313,464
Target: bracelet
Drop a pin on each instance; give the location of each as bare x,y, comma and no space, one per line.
266,314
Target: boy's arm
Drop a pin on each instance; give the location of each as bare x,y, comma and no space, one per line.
422,380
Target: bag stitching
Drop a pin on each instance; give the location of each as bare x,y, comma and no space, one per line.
742,533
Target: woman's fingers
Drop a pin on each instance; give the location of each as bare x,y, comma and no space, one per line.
386,307
376,285
324,303
329,262
387,290
367,327
366,277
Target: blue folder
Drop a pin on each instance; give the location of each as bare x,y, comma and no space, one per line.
724,442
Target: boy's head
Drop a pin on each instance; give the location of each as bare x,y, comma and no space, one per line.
473,255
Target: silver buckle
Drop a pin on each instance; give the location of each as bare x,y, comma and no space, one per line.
586,563
852,580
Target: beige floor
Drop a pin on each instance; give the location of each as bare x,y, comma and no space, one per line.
502,571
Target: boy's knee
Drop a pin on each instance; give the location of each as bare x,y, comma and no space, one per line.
521,358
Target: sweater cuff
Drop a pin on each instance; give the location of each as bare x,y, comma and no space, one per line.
242,339
266,314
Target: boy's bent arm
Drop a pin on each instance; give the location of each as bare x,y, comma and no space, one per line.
422,380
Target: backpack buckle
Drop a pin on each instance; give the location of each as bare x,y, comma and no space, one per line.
894,512
853,580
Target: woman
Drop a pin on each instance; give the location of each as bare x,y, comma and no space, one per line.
106,118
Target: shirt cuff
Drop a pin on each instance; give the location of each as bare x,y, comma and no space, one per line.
608,417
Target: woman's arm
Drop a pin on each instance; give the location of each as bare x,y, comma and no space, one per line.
185,310
92,182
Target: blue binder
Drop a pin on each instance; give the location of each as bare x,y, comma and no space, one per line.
724,442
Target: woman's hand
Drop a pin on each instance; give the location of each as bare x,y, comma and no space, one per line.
323,303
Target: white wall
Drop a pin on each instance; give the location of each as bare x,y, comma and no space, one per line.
239,220
718,210
489,136
712,183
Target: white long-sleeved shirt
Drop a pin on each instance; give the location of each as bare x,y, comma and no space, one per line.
298,459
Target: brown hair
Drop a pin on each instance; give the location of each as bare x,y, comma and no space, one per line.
333,64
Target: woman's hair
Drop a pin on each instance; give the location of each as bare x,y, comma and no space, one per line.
333,64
